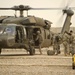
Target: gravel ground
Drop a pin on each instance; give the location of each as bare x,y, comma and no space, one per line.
36,70
34,65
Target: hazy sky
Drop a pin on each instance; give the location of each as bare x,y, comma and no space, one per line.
52,15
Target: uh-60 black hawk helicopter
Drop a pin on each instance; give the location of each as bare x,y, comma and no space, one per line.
18,32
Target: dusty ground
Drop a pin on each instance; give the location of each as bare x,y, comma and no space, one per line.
14,63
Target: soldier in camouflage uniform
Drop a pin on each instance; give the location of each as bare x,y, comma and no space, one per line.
72,42
39,40
66,44
56,45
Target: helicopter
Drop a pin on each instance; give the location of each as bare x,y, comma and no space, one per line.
18,32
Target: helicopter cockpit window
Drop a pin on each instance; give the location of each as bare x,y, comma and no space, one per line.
9,30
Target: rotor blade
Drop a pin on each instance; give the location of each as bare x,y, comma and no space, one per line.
10,8
69,2
46,8
5,8
60,19
62,4
31,8
36,8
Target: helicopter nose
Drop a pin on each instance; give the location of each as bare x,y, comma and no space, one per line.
2,42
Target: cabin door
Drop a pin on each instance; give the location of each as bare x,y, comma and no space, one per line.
46,34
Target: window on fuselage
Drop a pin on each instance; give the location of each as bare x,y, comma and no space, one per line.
35,32
29,32
9,29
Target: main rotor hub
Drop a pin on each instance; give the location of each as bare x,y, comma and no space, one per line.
68,11
21,7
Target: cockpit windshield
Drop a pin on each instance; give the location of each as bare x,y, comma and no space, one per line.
7,29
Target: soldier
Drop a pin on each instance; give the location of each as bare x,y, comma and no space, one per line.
56,45
66,38
39,40
71,42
